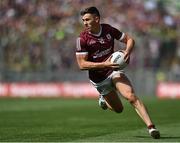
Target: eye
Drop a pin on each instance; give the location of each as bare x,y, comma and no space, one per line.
84,19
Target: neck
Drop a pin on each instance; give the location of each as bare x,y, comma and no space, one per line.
96,30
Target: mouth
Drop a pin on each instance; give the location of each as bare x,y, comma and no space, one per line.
87,27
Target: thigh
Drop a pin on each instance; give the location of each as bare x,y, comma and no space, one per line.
114,101
123,85
104,87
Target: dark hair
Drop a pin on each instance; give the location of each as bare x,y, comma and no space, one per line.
91,10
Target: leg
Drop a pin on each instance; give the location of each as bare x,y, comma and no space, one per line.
108,97
124,86
113,102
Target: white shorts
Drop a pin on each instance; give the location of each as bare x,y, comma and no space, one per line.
106,86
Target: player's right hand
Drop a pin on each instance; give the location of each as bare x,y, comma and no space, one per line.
109,64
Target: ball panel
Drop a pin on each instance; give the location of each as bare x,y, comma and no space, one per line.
118,57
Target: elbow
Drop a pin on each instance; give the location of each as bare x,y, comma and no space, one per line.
133,42
82,67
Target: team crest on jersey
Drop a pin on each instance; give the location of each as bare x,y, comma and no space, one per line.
108,36
101,40
92,42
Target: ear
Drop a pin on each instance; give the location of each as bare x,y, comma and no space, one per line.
97,19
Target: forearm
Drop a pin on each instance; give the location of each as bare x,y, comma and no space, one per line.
87,65
130,45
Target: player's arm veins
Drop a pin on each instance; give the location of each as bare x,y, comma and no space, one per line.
129,41
86,65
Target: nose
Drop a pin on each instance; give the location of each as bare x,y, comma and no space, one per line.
85,23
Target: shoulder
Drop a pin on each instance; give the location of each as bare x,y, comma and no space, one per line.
106,26
83,37
116,33
84,34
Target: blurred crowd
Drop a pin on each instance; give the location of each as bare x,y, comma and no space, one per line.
40,35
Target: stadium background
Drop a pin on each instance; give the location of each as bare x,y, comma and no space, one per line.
38,40
37,59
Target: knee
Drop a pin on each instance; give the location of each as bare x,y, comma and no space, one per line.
132,99
119,110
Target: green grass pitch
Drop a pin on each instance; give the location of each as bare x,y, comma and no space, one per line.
81,120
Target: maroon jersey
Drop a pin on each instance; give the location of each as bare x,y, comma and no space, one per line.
98,48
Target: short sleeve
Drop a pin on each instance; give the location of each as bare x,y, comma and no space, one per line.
81,46
118,35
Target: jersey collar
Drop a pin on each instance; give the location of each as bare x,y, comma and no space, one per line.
98,33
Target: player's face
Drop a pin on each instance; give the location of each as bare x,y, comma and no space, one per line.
91,22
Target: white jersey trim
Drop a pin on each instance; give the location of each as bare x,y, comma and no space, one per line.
81,53
98,33
78,45
122,37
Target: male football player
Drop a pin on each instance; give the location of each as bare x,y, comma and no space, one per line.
94,47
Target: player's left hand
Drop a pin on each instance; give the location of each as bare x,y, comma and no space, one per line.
126,56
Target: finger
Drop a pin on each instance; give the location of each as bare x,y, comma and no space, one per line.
127,60
115,67
114,64
109,58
